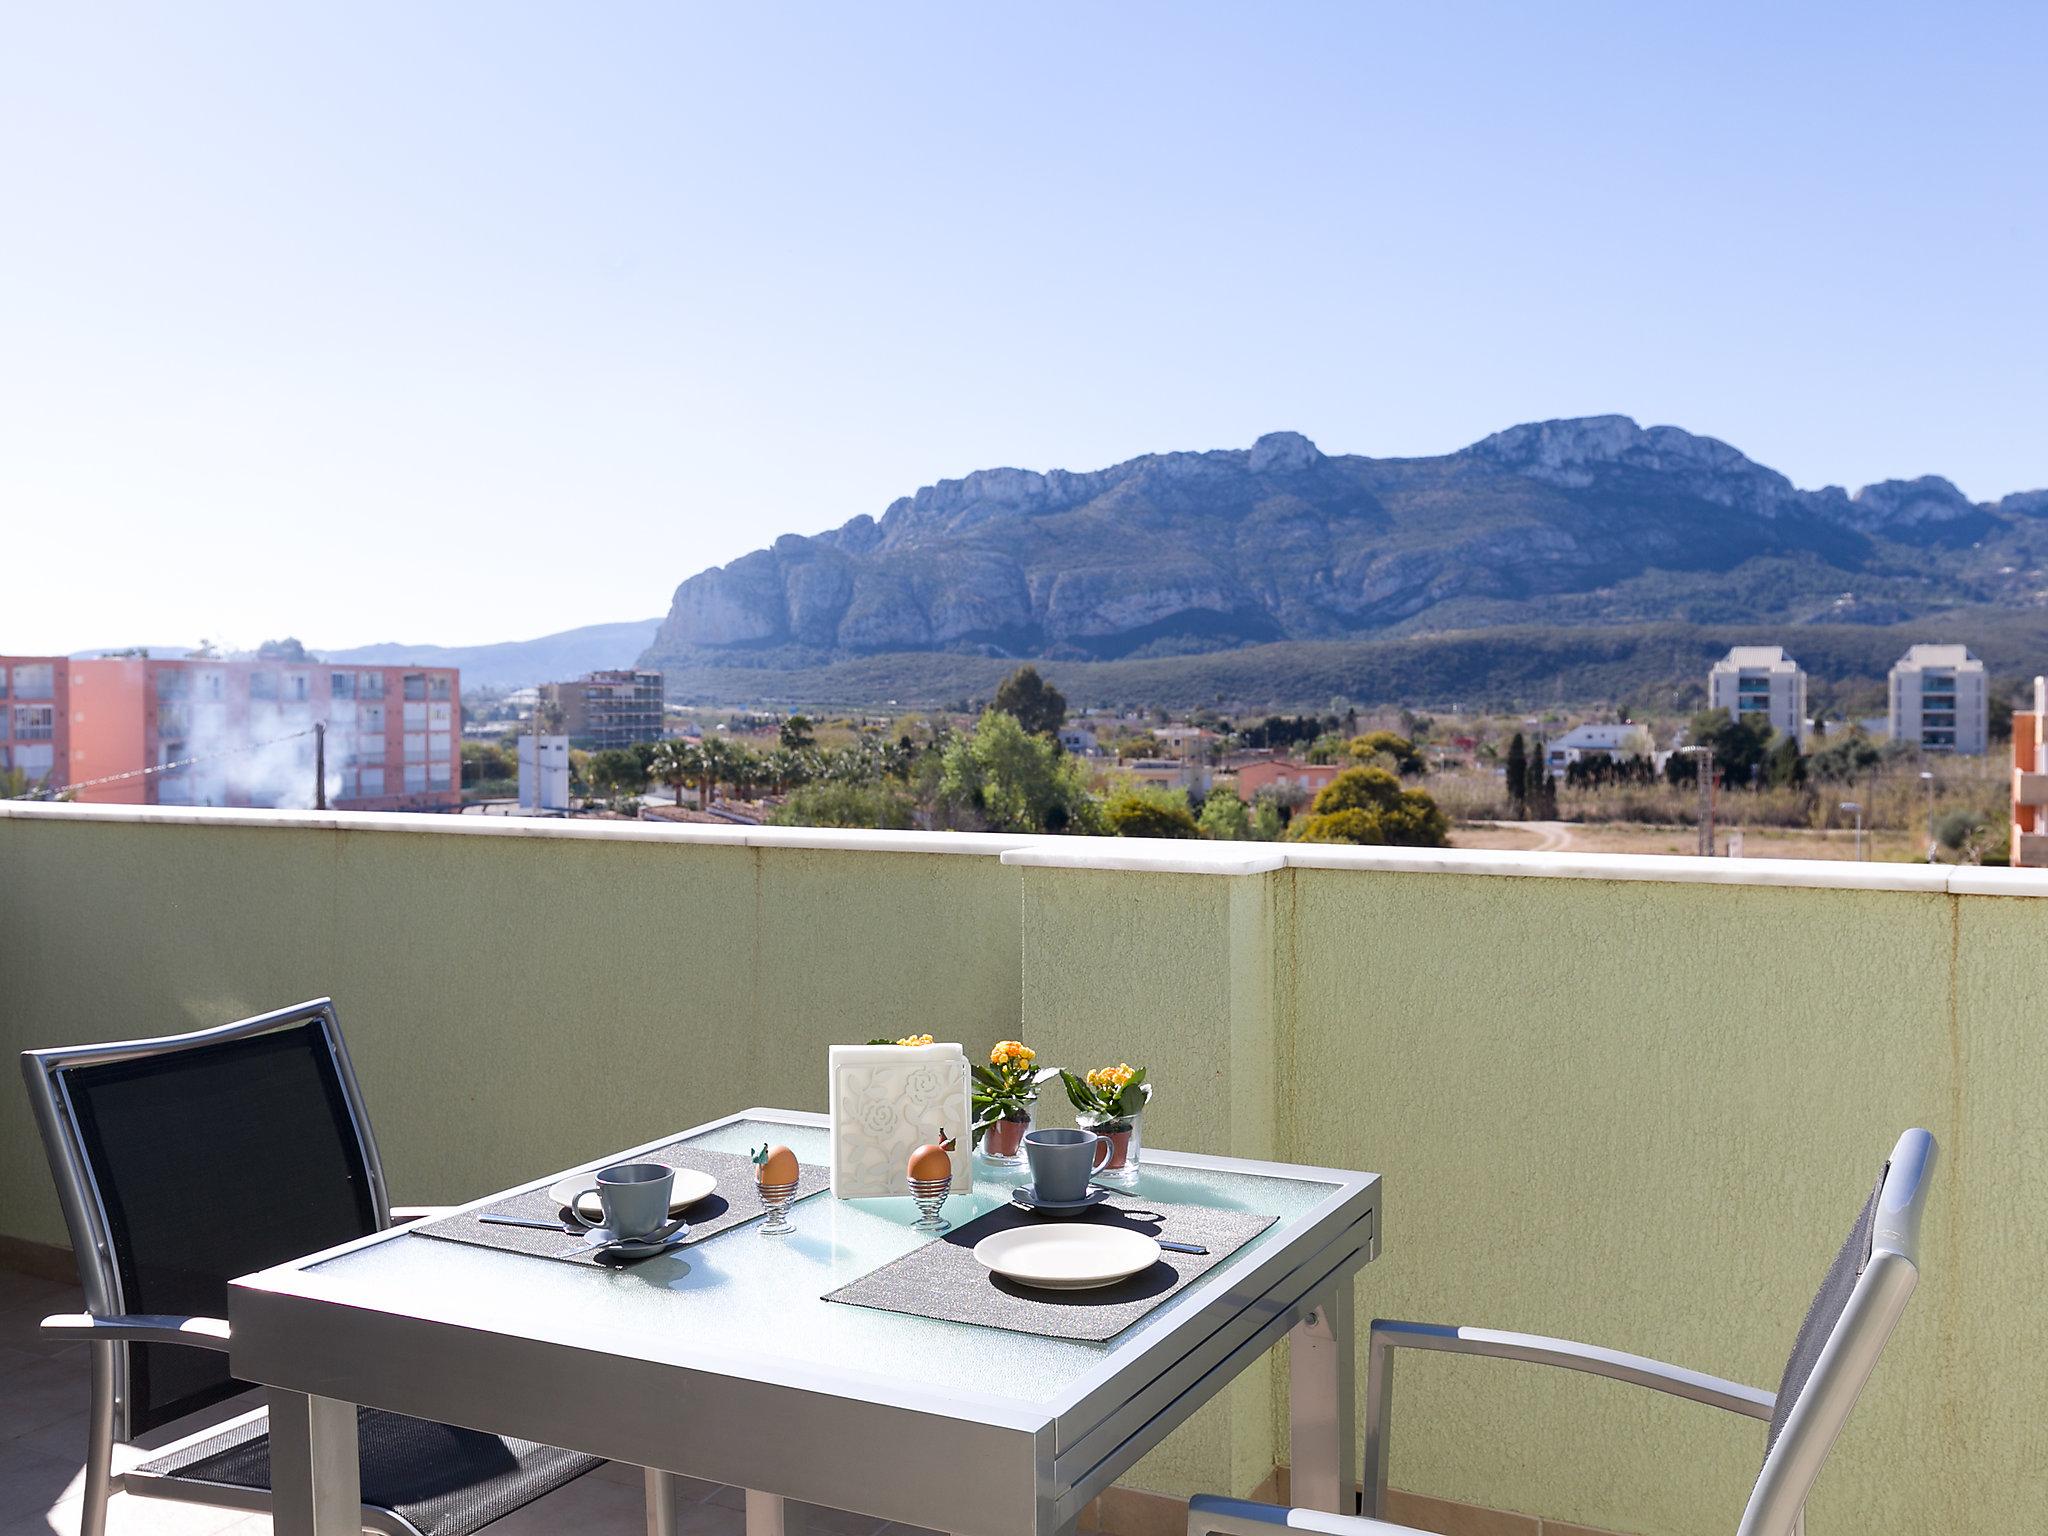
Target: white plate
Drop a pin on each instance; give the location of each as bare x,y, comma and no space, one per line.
1076,1258
691,1186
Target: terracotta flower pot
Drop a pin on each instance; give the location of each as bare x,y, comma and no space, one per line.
1005,1138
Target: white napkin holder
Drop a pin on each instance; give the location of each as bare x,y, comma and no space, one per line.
886,1102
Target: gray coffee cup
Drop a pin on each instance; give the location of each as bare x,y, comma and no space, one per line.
1062,1162
633,1197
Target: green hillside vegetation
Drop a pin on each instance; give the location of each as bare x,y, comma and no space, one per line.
1654,666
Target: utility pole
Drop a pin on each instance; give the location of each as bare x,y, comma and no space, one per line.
1706,761
319,765
1928,779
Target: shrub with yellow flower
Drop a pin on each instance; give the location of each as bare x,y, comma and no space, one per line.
1004,1092
1108,1097
906,1040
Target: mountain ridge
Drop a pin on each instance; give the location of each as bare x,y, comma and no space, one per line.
1583,521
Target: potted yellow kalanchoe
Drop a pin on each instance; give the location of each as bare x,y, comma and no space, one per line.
1110,1101
1006,1100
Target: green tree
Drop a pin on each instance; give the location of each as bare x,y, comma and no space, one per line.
676,763
1542,788
1224,817
487,762
795,733
1998,717
1784,768
1005,779
1739,744
615,774
1954,828
1386,744
847,805
1518,776
717,758
1845,758
1269,822
1368,805
1145,811
1037,706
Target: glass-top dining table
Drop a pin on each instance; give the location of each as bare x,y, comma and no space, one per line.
722,1360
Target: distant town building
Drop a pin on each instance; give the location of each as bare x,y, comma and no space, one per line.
35,719
608,709
1168,773
1584,741
1939,700
1184,740
2030,781
1312,778
214,732
543,773
1078,739
1760,681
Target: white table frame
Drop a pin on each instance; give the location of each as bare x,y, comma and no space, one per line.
984,1465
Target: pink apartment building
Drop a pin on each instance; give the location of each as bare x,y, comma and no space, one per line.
242,733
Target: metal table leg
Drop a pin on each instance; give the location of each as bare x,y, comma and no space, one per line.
765,1515
1321,1405
664,1503
315,1479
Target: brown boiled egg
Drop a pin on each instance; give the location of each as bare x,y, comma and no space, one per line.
934,1159
774,1165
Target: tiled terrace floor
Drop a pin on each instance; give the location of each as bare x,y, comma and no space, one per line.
43,1391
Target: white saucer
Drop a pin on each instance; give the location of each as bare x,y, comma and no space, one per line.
691,1186
1078,1258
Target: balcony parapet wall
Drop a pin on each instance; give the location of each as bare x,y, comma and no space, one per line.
1636,1100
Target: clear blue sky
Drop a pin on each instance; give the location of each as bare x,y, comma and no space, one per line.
468,322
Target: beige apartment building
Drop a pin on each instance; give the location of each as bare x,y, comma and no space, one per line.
1761,681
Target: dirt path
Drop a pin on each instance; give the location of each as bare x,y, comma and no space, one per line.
1521,836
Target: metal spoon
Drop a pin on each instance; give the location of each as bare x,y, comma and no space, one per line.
658,1235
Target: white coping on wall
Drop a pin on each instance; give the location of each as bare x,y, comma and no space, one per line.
1153,855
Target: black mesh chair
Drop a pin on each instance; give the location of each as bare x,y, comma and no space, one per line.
185,1161
1837,1348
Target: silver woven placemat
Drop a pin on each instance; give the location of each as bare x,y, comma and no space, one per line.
944,1280
731,1204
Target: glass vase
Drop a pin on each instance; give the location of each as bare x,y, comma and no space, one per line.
1002,1144
1125,1135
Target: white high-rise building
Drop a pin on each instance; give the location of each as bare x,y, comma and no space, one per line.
1939,700
1761,680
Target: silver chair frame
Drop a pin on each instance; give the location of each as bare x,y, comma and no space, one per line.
1777,1504
107,1326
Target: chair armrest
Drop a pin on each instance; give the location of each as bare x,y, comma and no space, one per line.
401,1214
141,1328
1211,1516
1387,1336
1637,1370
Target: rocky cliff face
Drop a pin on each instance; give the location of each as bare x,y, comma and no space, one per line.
1583,520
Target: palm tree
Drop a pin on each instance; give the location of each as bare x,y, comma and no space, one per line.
716,759
785,769
675,764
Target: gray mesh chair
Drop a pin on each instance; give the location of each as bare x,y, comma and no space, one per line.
184,1161
1837,1348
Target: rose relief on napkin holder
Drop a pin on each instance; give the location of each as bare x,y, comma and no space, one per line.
888,1100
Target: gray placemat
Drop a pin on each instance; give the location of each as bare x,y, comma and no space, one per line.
731,1204
944,1280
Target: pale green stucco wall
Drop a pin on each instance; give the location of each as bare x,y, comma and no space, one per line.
489,986
1637,1112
